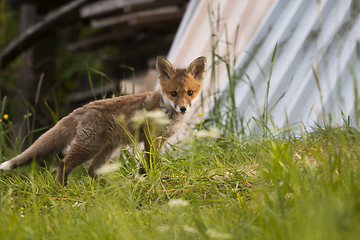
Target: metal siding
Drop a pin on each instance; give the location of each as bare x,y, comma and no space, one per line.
310,34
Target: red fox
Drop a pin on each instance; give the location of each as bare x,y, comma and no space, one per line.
95,130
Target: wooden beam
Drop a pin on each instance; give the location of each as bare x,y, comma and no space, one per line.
103,8
107,8
51,21
153,15
120,33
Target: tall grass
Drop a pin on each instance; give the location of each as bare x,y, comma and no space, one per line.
302,188
228,99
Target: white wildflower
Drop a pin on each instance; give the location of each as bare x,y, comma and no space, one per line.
190,229
163,228
78,204
139,118
174,203
218,235
156,117
22,212
109,168
289,196
212,133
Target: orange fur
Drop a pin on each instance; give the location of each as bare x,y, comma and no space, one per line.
97,129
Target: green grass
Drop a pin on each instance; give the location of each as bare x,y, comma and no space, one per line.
264,185
305,187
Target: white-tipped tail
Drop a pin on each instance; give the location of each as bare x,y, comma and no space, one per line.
55,138
6,165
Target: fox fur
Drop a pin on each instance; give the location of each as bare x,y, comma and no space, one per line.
95,131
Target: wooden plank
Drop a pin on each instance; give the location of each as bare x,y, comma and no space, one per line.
106,7
119,33
157,14
111,7
51,21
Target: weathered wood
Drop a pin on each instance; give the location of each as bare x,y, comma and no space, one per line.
153,15
167,18
52,20
110,7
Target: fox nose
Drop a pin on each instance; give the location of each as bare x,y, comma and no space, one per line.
183,109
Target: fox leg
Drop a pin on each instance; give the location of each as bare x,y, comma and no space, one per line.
147,147
79,153
147,155
100,159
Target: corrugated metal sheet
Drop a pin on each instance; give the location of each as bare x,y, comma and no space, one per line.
196,38
313,37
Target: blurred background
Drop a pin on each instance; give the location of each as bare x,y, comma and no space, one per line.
271,63
57,55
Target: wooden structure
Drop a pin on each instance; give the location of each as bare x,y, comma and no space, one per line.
150,24
139,30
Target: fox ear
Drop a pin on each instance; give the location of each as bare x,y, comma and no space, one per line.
197,68
164,68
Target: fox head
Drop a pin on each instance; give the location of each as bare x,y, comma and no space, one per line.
180,86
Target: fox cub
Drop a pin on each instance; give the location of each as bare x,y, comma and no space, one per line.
95,130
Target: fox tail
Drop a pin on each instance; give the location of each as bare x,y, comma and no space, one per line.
55,138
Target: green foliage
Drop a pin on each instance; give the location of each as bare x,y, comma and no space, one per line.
69,75
222,188
214,185
9,23
72,67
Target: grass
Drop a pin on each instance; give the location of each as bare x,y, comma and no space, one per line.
218,185
276,188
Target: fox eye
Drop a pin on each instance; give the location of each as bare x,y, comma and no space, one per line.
173,93
190,92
